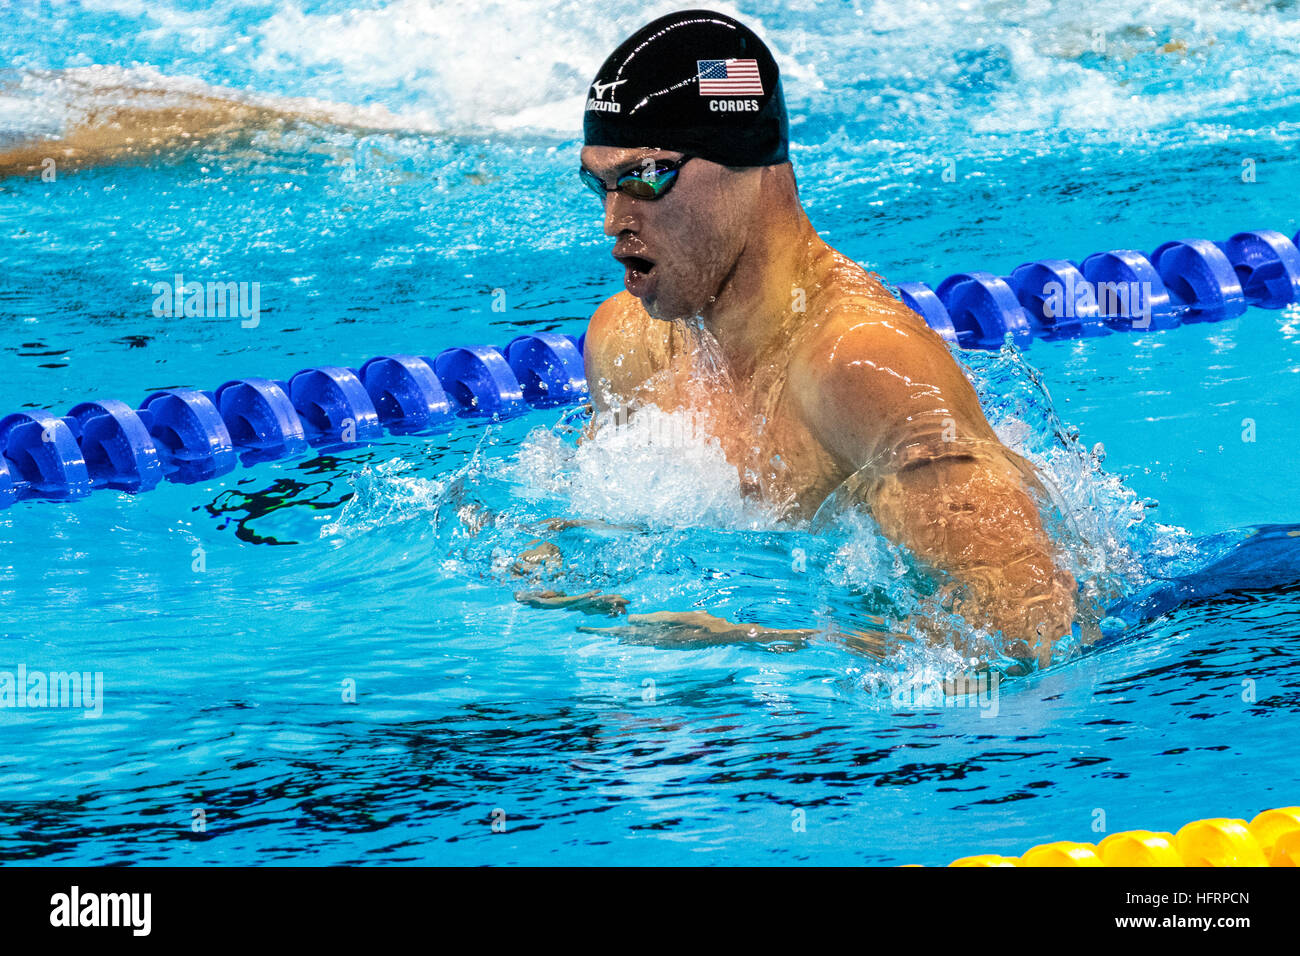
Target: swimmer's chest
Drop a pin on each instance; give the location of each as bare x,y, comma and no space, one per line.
758,426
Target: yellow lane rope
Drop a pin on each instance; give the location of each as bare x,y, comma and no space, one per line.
1271,839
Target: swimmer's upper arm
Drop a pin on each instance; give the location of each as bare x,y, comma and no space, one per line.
883,394
876,379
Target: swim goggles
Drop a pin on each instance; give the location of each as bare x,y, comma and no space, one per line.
642,183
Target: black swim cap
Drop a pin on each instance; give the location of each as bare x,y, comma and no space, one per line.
695,82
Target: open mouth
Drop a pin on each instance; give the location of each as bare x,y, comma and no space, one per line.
638,273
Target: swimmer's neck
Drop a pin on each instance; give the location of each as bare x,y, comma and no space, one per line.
755,306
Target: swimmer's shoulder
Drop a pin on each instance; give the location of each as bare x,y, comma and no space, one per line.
622,348
853,294
867,366
855,317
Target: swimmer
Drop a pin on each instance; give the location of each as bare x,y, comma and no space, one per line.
808,372
80,119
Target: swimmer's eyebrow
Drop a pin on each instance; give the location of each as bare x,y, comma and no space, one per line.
620,169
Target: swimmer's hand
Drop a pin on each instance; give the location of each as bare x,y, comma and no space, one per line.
589,602
700,629
545,556
540,556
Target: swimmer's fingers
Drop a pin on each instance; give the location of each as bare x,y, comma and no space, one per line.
590,602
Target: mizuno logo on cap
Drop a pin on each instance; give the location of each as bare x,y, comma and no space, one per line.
599,103
600,88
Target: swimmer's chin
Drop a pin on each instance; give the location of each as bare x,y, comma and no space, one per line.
676,315
664,312
651,306
656,308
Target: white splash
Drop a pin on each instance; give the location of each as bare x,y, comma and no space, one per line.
385,494
656,468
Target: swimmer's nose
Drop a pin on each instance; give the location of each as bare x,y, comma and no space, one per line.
620,214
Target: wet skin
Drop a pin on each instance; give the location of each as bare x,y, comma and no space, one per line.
811,375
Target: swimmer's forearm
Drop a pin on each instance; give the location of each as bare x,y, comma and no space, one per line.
122,131
130,123
588,602
1031,602
983,529
698,629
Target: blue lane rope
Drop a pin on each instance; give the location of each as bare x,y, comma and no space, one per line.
1188,280
187,435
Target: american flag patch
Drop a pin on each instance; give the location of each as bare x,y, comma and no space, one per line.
729,78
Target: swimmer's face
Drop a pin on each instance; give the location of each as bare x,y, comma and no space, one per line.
677,250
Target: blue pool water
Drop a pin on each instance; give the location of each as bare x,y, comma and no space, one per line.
229,619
